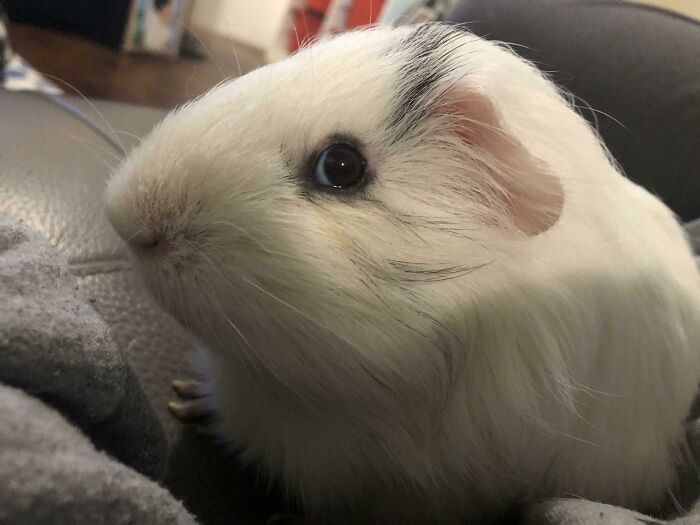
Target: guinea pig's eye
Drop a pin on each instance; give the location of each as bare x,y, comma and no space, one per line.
339,165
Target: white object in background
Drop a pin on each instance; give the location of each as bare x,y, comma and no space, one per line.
155,29
259,24
420,15
405,12
336,17
393,10
689,8
20,76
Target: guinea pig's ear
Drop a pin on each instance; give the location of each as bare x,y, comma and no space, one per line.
530,194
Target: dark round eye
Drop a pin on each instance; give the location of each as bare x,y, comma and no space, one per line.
339,166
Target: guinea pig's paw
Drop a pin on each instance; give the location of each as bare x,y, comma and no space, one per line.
194,405
189,388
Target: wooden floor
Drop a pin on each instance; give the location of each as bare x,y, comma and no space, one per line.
98,72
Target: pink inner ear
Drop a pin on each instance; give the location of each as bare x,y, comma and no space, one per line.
531,195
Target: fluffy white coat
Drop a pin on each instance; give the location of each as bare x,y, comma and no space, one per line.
499,315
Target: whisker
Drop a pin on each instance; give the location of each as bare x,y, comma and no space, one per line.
296,33
95,149
244,231
242,356
254,383
235,53
256,241
305,20
132,135
233,44
596,112
206,48
132,237
91,104
282,302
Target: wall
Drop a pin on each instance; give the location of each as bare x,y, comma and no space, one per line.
689,8
257,23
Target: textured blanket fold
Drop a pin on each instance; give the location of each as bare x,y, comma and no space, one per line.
55,346
63,380
51,474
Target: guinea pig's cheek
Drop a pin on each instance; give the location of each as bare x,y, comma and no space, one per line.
313,241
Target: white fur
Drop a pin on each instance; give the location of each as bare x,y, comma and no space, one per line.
563,364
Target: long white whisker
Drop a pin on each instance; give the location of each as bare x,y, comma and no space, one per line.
283,303
96,149
260,244
206,48
91,104
233,47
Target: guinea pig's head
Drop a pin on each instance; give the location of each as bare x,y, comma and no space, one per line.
327,210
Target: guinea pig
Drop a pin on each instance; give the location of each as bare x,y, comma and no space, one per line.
427,292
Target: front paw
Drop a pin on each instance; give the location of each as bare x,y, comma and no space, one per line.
194,405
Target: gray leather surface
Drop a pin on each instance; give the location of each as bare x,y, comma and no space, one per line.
53,170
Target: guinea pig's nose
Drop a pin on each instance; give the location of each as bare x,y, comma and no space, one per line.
148,243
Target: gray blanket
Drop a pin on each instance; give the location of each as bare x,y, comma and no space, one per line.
62,378
50,473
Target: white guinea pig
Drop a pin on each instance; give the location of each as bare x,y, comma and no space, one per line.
428,293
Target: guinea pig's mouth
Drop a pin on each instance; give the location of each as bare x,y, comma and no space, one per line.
158,247
149,244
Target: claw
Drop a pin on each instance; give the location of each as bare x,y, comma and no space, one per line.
188,388
193,406
190,409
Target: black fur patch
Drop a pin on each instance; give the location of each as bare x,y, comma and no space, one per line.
429,61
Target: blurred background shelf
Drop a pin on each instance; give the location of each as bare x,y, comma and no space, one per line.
99,72
236,37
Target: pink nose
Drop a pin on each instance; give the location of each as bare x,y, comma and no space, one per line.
148,244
